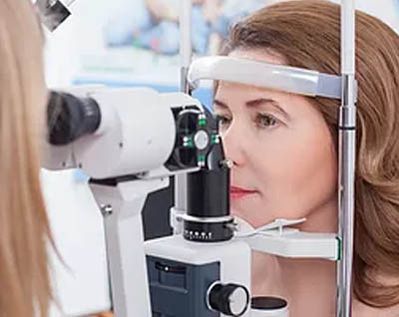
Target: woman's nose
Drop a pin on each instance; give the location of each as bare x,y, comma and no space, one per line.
234,145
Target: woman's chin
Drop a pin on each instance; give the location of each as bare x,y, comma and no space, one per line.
255,220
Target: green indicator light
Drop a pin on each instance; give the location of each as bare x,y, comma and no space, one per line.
188,140
339,249
201,158
215,139
202,122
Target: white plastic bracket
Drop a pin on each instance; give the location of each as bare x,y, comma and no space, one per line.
278,239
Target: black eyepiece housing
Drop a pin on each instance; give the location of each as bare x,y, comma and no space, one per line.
70,117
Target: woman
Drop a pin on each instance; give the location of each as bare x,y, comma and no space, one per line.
24,231
284,149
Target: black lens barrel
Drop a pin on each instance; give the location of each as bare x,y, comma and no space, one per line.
70,117
208,201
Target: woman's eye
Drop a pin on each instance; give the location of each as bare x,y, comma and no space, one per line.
223,120
265,120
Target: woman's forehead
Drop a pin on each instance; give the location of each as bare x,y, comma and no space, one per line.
238,93
235,96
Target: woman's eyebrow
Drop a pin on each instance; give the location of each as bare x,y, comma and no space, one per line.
220,104
263,101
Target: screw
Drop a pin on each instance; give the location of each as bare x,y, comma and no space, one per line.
228,163
106,210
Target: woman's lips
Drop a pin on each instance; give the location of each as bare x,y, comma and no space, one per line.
238,192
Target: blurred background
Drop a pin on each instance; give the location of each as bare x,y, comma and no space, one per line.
130,42
122,43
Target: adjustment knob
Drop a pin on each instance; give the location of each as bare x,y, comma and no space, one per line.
229,299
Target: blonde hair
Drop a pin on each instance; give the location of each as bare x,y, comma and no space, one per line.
307,34
24,231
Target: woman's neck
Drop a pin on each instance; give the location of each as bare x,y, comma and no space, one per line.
309,285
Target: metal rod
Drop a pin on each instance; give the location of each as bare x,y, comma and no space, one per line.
347,159
185,60
185,43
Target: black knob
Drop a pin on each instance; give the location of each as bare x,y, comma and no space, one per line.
262,306
229,299
268,303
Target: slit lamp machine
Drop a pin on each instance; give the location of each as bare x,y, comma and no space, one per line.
130,141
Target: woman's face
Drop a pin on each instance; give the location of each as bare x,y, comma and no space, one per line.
283,153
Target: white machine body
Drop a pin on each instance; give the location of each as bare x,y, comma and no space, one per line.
234,257
136,135
283,312
79,268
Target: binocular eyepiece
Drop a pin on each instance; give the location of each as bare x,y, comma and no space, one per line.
70,117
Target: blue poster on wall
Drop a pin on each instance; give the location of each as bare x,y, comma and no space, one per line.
137,42
153,24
